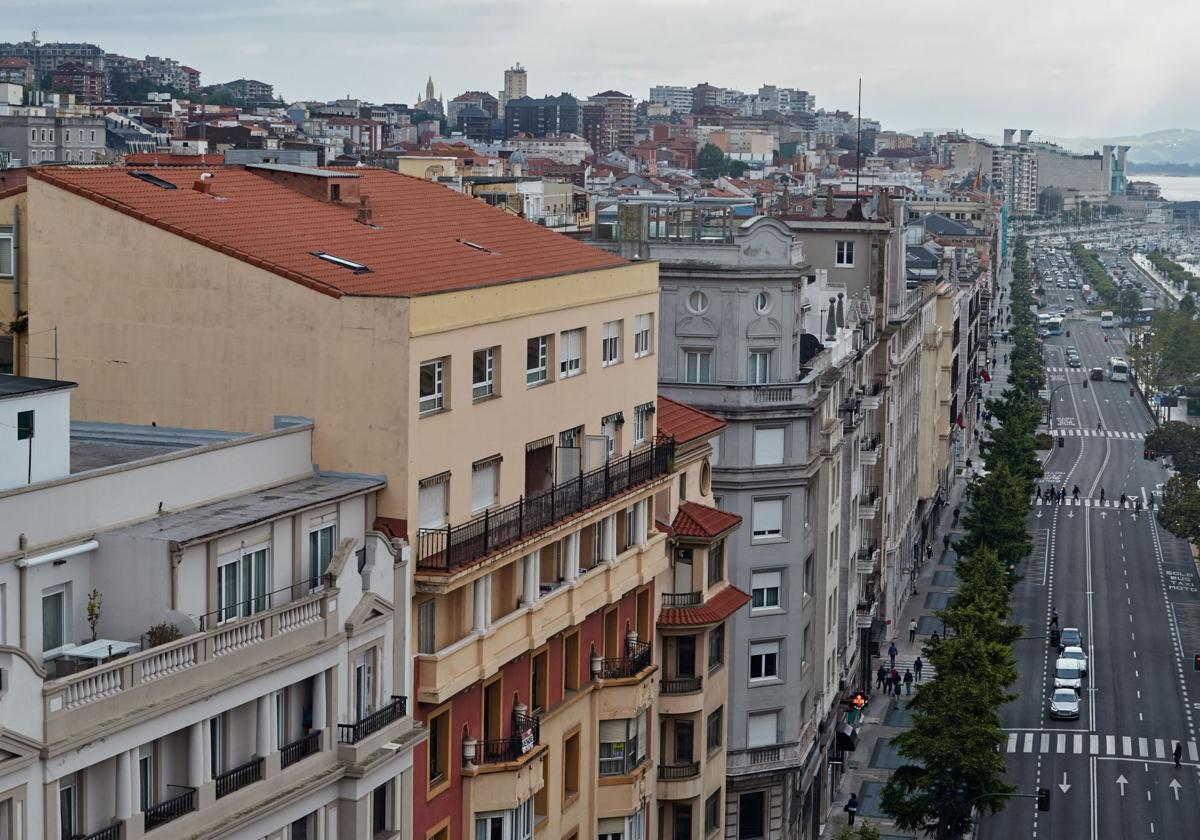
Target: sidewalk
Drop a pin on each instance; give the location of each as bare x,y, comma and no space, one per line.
869,766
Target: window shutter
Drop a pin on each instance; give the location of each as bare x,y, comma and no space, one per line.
768,516
483,484
432,505
762,729
768,446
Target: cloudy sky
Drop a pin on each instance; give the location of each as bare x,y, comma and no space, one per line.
1062,67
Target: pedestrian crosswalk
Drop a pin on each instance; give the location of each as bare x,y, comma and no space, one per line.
903,664
1130,503
1085,743
1104,433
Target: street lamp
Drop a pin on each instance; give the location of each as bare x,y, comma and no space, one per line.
1050,403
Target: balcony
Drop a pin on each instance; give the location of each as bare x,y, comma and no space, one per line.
677,772
239,777
680,685
170,809
352,733
868,503
109,832
526,736
872,395
456,547
87,703
868,451
682,599
626,667
867,560
299,750
763,759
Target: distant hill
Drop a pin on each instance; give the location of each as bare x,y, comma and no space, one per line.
1170,145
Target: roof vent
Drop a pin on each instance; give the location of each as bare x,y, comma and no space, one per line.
364,209
203,184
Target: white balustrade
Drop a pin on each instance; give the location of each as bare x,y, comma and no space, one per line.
237,636
303,613
167,662
95,687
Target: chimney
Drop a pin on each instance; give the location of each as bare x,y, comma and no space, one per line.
203,184
1008,136
1025,132
364,209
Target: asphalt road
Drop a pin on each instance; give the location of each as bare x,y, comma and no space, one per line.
1131,588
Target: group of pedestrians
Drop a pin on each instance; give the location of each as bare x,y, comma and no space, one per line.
890,679
1058,495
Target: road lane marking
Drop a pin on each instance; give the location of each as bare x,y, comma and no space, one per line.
1012,742
1192,751
1045,745
1061,744
1094,744
1143,747
1126,745
1159,750
1029,742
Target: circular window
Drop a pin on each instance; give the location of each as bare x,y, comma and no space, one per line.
698,301
762,303
705,477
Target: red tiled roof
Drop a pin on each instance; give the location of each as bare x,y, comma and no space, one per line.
168,159
685,423
12,181
696,520
391,527
717,608
417,243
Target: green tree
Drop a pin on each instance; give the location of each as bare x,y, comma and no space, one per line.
1180,510
1181,441
737,168
996,518
862,831
1128,304
1187,304
711,161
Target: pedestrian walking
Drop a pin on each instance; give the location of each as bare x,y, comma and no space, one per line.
956,516
1075,492
896,694
935,638
946,542
1038,492
1122,500
1178,753
852,807
908,681
917,666
912,630
892,653
1101,495
880,676
1053,617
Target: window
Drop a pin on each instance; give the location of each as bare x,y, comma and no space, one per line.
54,620
762,303
6,255
622,745
439,747
764,661
768,446
571,662
516,824
364,684
483,373
68,812
379,809
641,422
537,359
432,501
320,551
766,519
432,383
758,368
281,730
570,353
714,728
697,302
705,478
93,135
146,781
622,828
216,744
712,811
685,656
608,428
641,335
610,347
52,135
685,737
485,482
681,821
539,681
67,135
243,583
33,135
43,135
571,767
845,254
752,815
716,563
25,424
716,646
697,368
762,729
764,590
427,626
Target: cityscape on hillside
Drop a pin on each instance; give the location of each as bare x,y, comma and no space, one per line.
672,464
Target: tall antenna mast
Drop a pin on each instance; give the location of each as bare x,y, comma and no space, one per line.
858,149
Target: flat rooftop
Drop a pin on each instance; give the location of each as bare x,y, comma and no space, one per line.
24,386
97,445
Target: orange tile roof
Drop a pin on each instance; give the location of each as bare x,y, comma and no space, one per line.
717,608
685,423
417,243
12,181
696,520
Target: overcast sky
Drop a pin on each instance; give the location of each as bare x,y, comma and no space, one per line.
1060,67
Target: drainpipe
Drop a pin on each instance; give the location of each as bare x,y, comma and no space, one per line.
16,269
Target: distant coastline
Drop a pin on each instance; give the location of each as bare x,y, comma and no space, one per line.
1162,168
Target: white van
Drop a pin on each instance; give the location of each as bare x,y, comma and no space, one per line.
1068,674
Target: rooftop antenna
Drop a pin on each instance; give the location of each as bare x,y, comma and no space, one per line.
858,150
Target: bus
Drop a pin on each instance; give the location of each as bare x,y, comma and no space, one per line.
1145,315
1106,319
1054,326
1043,319
1118,370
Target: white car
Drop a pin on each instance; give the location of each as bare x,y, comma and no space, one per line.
1075,652
1068,674
1064,703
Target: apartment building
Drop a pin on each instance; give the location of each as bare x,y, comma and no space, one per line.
38,135
502,378
608,121
14,267
201,634
779,350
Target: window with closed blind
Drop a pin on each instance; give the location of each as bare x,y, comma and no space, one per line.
485,482
768,445
762,729
432,501
767,519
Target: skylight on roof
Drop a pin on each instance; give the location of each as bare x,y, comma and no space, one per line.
476,246
154,180
357,268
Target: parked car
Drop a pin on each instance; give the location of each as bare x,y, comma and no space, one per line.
1076,653
1064,704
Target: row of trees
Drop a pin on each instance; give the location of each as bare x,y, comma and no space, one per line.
1180,509
713,163
954,763
1174,272
1098,277
1169,354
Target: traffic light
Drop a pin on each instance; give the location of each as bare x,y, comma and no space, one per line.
1043,799
1196,663
859,700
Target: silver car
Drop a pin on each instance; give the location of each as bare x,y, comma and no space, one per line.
1075,652
1064,704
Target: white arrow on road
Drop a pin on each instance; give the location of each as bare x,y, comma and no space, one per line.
1039,514
1103,515
1064,787
1122,781
1175,786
